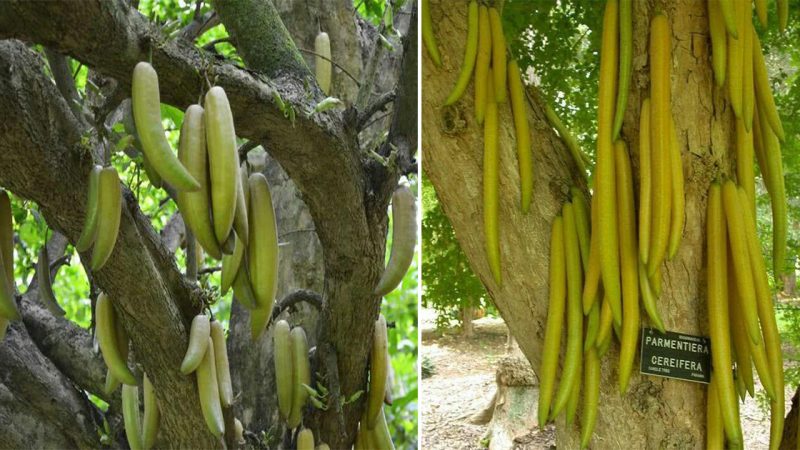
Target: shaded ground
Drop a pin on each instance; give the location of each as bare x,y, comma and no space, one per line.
463,383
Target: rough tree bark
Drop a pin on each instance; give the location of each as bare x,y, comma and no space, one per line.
656,412
45,160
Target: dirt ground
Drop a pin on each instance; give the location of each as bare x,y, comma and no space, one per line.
463,383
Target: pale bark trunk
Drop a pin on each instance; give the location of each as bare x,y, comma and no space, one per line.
656,412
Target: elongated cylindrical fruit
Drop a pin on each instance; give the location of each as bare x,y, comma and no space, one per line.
591,397
735,59
428,37
742,266
199,333
208,391
645,181
223,161
555,319
470,54
109,210
195,206
404,239
728,11
482,63
323,446
105,329
523,135
498,55
305,439
629,266
583,225
678,200
282,355
238,431
715,438
748,93
322,61
574,349
378,370
242,288
783,14
603,339
87,236
742,355
718,316
574,395
745,170
46,295
221,363
147,115
660,161
381,438
649,299
770,348
112,383
591,283
231,264
719,41
606,226
592,327
766,102
491,184
625,58
777,193
130,416
240,224
301,374
263,246
152,416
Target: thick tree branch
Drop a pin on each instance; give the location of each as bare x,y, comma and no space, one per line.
128,38
62,74
378,105
40,388
53,172
261,38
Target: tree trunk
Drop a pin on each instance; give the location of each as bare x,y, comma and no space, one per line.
467,314
656,412
331,204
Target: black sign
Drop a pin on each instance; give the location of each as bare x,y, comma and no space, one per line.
676,355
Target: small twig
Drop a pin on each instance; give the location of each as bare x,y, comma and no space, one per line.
208,270
199,25
245,149
191,255
210,46
369,124
334,63
378,105
298,296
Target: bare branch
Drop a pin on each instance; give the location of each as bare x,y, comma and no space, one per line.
298,296
378,105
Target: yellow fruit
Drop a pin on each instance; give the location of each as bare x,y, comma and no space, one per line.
109,210
223,161
523,135
195,206
199,333
322,62
470,55
146,103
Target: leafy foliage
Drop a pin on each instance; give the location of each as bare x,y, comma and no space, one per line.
449,282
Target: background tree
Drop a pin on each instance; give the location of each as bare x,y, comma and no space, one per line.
66,70
558,44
